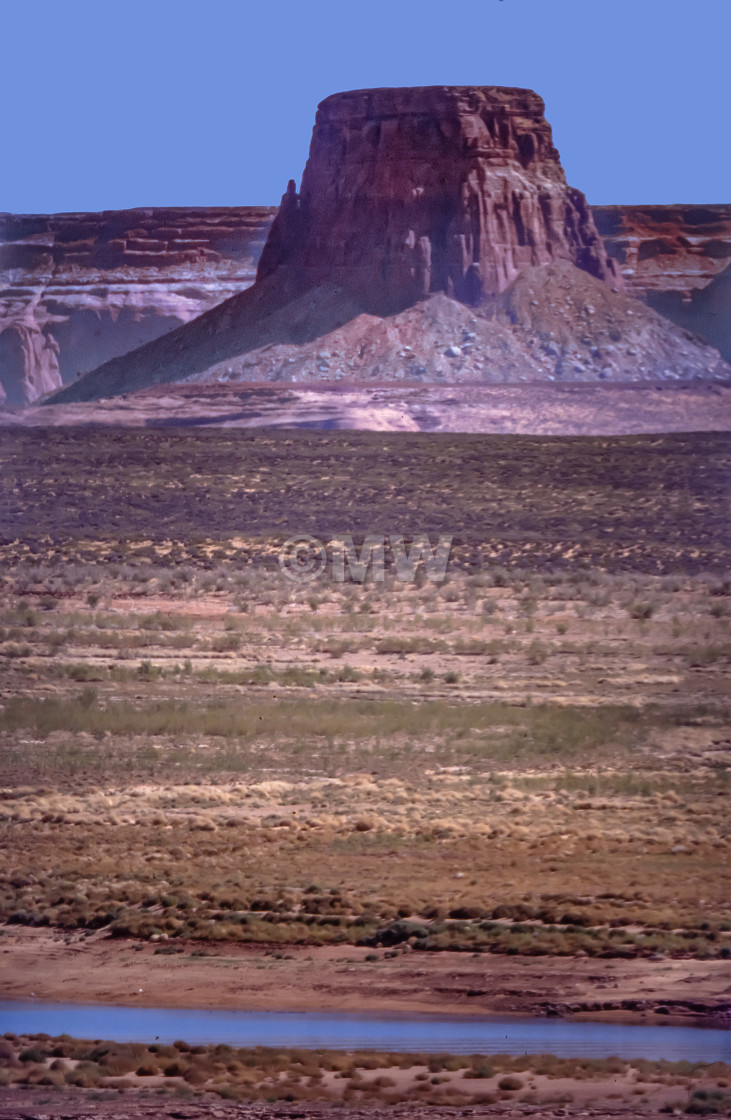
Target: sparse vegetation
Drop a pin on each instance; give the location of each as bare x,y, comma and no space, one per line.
550,725
266,1074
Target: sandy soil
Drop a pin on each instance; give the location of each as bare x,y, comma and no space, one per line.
42,964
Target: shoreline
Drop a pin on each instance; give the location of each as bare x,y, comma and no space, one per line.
42,965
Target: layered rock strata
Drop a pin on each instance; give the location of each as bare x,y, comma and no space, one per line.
673,249
407,192
677,259
79,289
66,308
434,238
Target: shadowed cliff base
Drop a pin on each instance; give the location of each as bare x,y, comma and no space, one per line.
267,314
707,311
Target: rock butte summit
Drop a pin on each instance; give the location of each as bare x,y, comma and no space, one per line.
434,238
433,189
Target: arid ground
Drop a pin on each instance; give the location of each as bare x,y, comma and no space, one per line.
570,408
506,791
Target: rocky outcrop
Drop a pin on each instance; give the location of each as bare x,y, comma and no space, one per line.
79,289
407,192
678,260
434,238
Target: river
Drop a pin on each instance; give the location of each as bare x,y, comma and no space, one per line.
418,1033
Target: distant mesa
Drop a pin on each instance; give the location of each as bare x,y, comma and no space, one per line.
79,289
434,238
677,259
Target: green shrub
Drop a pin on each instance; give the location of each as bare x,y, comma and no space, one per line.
33,1054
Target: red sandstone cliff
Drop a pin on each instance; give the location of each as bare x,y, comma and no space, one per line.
439,189
79,289
434,238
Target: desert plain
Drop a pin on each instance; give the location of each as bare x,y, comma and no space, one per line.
492,783
507,791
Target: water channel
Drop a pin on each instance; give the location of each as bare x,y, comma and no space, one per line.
417,1033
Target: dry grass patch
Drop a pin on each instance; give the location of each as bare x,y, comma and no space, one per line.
300,1075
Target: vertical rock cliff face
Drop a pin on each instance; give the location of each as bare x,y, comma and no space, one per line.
79,289
28,359
439,189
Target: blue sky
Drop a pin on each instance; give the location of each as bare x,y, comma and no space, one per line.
179,102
